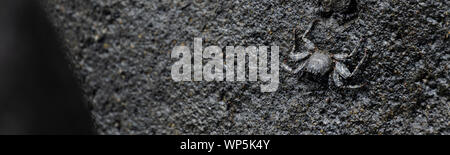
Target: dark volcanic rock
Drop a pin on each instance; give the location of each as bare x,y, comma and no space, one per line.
121,54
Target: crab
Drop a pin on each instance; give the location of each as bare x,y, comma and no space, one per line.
321,62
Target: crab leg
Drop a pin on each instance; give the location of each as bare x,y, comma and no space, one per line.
289,69
297,56
353,86
308,43
344,71
338,82
337,79
343,56
359,64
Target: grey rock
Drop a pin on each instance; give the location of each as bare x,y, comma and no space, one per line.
125,70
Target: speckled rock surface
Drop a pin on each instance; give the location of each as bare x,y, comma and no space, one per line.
120,51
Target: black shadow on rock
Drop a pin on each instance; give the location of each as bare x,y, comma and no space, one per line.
38,94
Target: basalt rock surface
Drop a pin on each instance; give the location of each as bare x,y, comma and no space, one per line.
120,53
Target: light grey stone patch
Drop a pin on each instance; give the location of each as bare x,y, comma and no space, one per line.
183,64
215,64
198,61
252,54
230,60
274,74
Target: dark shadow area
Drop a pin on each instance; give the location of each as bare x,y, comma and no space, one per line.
38,94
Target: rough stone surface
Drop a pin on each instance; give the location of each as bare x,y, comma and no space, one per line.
120,51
